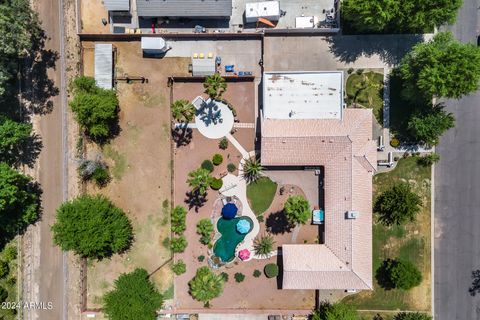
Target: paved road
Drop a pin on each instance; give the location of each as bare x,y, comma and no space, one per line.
457,192
49,274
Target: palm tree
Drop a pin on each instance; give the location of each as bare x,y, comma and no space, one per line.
183,110
215,86
206,285
252,169
199,180
264,245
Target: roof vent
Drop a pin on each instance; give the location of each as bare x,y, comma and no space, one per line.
352,214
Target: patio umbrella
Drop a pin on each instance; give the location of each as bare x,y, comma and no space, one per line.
229,211
244,254
243,226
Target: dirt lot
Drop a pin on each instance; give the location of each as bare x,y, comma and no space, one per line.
91,14
253,293
140,164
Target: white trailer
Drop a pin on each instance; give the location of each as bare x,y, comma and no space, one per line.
154,45
269,10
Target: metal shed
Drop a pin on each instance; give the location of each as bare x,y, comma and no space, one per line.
154,45
104,65
203,67
117,5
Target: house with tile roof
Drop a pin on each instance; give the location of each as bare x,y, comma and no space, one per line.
304,124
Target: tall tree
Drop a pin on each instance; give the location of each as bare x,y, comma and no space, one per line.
103,231
442,67
133,297
369,16
21,35
336,311
200,180
183,110
419,16
96,109
397,205
19,201
429,124
206,285
12,134
297,210
215,86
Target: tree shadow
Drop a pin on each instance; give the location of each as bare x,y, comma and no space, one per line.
182,136
390,48
475,287
25,153
37,87
277,223
195,200
382,275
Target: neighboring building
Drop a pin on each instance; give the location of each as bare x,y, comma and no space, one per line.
208,9
104,65
305,125
117,5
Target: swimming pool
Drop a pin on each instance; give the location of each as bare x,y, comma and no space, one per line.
225,246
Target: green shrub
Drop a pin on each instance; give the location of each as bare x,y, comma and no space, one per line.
178,244
216,184
4,269
350,70
412,316
231,167
205,230
359,71
399,274
429,159
179,267
179,214
101,176
271,270
217,159
239,277
201,258
10,253
260,218
257,273
207,165
3,294
394,142
224,276
223,144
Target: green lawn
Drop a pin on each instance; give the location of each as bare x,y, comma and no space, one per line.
366,89
410,242
260,194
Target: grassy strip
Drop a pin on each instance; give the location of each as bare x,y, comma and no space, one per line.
410,242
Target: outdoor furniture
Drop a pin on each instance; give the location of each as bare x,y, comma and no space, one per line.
224,201
244,254
229,68
198,102
210,55
195,55
201,55
243,226
229,211
318,216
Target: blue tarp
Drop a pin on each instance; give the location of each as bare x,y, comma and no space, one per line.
229,211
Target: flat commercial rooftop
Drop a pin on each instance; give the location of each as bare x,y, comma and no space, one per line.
303,95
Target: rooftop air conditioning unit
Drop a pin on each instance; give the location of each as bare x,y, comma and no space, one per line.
352,214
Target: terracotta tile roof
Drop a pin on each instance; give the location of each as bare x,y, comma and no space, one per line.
346,151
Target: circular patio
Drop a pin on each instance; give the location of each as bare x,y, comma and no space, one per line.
214,119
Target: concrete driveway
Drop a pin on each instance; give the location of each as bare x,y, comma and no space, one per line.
336,52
